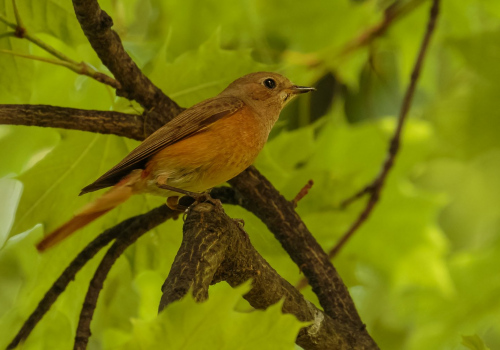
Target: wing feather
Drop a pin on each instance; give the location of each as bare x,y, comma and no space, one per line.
191,121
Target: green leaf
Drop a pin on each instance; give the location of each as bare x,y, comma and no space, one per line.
31,146
186,324
10,192
473,342
54,17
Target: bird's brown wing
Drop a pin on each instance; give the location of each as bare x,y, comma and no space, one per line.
189,122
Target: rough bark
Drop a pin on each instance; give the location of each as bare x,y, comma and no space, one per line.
215,248
96,25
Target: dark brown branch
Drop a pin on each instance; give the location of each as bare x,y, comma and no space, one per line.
260,197
96,24
128,234
215,248
159,214
375,188
103,122
394,12
360,194
59,286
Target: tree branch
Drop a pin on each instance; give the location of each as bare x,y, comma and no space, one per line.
375,188
126,227
258,195
302,193
135,229
255,193
215,248
63,60
103,122
96,24
79,68
397,10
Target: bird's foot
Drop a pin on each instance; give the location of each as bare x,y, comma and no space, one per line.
184,203
205,197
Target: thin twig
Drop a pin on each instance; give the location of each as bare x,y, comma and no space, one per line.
59,286
7,35
77,67
43,59
365,190
22,33
376,186
394,12
69,273
302,193
16,13
136,227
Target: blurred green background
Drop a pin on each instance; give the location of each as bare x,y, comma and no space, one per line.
424,270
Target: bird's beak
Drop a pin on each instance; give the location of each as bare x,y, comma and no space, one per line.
301,89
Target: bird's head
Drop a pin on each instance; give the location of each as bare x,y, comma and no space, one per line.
266,92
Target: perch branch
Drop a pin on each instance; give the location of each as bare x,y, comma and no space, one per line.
135,228
96,25
275,211
374,188
215,248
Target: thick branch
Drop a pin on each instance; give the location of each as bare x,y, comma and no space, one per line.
215,249
96,24
199,257
157,215
260,197
134,229
104,122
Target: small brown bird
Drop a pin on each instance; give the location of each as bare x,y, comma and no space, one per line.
204,146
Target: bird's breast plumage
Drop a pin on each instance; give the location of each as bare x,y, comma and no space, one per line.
209,157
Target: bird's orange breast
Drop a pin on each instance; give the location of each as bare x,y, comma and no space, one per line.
211,156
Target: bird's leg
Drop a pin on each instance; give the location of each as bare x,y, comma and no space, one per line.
172,202
161,182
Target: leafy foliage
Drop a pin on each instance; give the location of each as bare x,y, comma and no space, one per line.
188,325
422,270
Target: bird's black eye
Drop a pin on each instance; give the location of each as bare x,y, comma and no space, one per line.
270,83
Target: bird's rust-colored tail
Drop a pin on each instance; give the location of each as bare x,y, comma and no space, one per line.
115,196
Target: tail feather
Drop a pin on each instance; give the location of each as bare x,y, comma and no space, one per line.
115,196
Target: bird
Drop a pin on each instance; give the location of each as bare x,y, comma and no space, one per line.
202,147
